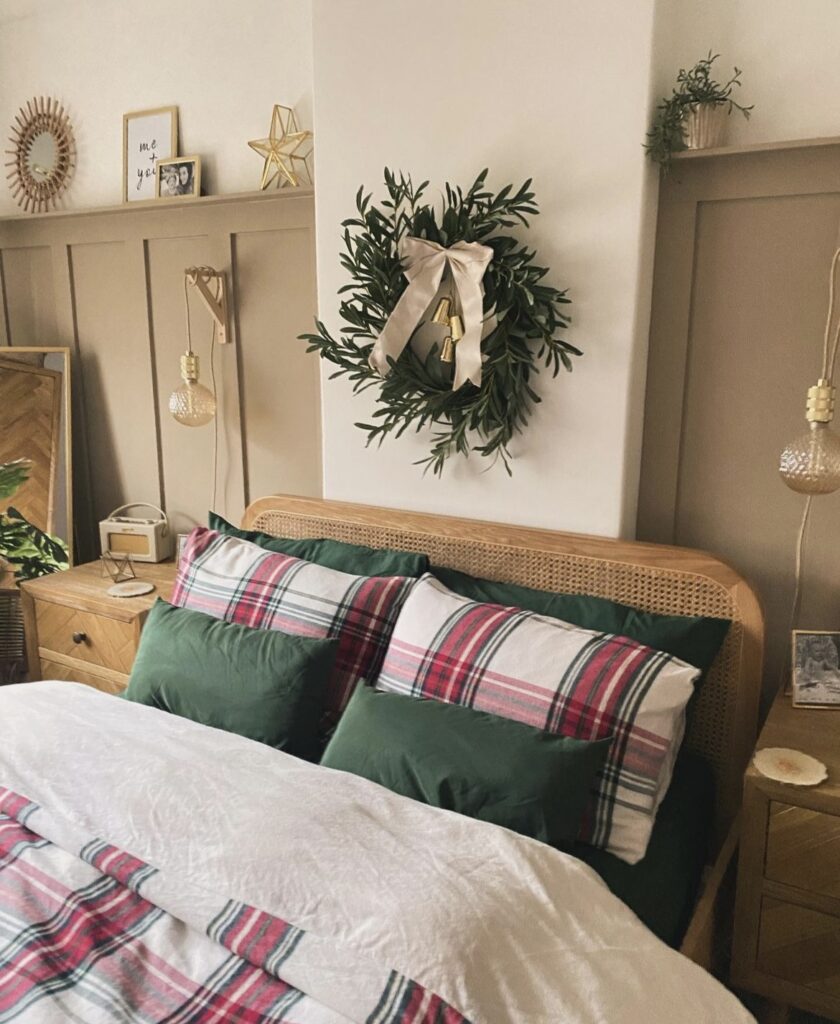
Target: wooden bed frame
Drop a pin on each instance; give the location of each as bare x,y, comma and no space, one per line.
667,580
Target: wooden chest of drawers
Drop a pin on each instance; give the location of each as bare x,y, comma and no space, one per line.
74,630
787,915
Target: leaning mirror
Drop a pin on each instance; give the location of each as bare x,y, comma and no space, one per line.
43,156
36,490
36,483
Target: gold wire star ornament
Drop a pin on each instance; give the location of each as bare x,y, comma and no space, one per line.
286,151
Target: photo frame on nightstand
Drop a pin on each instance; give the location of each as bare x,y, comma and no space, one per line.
815,668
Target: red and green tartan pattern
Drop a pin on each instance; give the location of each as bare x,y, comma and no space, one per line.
78,934
237,581
91,946
558,677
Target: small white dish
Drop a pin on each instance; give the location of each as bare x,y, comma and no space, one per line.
790,766
131,588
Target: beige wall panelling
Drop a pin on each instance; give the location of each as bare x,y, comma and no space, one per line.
113,345
277,418
743,249
109,283
85,536
30,298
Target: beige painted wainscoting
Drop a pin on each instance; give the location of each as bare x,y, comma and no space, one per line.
109,284
744,244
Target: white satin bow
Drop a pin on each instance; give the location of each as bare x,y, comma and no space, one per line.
424,263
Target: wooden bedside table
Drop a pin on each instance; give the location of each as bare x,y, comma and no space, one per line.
74,630
786,942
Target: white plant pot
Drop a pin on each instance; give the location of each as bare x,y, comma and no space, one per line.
705,125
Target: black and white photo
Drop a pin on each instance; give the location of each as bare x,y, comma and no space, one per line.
179,177
816,668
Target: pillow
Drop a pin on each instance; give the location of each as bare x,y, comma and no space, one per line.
554,676
264,685
237,581
692,638
480,765
334,554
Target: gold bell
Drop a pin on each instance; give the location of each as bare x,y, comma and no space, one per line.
456,332
444,308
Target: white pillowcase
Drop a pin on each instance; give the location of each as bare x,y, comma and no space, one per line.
558,677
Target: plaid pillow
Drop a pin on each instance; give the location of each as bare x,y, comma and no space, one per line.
238,581
561,678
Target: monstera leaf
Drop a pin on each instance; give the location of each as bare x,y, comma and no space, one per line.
12,475
30,551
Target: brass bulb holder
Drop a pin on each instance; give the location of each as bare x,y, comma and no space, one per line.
447,353
820,405
456,327
442,312
189,367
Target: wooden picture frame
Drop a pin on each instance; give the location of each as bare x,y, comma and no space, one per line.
815,668
177,166
148,136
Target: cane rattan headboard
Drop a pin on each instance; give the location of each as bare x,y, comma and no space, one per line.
661,579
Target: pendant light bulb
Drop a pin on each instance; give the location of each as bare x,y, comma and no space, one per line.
811,463
192,404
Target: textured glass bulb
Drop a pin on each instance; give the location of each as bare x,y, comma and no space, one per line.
192,403
811,463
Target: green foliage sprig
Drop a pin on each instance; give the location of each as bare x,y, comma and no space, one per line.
694,86
417,393
12,476
29,551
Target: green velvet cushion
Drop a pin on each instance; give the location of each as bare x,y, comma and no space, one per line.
355,559
468,761
694,639
260,683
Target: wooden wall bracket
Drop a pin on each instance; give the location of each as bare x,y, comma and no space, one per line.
200,278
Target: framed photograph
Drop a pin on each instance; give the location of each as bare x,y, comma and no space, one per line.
178,178
816,669
148,136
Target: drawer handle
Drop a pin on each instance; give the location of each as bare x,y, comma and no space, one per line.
80,638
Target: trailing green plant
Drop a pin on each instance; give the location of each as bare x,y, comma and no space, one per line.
694,86
12,476
417,393
28,550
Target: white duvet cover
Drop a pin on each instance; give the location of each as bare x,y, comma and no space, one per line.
380,894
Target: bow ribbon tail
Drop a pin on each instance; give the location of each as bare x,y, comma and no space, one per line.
409,310
470,295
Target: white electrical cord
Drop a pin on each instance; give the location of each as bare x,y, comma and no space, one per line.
828,364
190,278
216,417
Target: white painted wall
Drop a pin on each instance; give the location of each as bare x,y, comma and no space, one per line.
223,64
787,50
553,89
556,89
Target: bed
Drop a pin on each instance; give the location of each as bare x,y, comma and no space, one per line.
721,735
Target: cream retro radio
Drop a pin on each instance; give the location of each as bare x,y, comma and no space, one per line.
145,539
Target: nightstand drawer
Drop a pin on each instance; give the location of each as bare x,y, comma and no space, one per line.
803,849
85,636
799,945
111,683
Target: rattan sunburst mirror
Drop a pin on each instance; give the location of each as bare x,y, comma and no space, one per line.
44,154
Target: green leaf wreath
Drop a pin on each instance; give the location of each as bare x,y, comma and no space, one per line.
418,391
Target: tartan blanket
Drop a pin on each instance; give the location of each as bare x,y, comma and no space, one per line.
153,869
